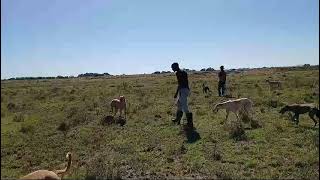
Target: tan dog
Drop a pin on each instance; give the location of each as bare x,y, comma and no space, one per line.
119,105
235,106
46,174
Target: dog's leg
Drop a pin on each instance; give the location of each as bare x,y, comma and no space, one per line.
227,115
115,112
296,118
237,116
311,115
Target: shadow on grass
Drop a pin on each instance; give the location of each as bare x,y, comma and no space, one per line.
191,134
108,120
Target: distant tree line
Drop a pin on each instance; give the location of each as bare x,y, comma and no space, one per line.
35,78
93,75
208,69
165,72
305,66
60,77
162,72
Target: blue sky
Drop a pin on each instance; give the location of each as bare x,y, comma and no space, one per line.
69,37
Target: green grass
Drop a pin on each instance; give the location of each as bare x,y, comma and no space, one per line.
149,145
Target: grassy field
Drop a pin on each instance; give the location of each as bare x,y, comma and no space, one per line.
41,120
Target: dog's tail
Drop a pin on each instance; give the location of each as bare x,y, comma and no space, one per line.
67,168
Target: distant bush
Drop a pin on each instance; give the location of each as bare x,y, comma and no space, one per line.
93,75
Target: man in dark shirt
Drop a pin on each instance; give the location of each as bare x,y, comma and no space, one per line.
183,91
222,81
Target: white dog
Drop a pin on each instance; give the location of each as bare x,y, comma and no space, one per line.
235,106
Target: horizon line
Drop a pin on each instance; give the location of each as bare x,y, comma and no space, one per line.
129,74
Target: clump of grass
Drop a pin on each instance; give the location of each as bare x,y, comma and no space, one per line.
72,91
237,132
273,103
104,167
107,120
72,111
18,117
223,173
26,128
55,89
316,140
278,127
63,127
11,106
255,124
97,168
251,164
308,98
216,154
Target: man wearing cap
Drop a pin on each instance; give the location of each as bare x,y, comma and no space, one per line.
183,91
222,81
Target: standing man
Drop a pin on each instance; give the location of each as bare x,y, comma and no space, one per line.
183,91
222,81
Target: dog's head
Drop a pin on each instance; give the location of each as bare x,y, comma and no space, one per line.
284,109
122,99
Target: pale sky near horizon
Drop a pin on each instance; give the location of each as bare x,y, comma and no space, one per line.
70,37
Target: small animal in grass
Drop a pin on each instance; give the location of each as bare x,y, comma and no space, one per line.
235,106
298,109
52,175
205,89
274,84
119,105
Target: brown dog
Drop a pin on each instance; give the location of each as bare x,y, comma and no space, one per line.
119,105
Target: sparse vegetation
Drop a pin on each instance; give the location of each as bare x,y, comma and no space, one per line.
41,120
